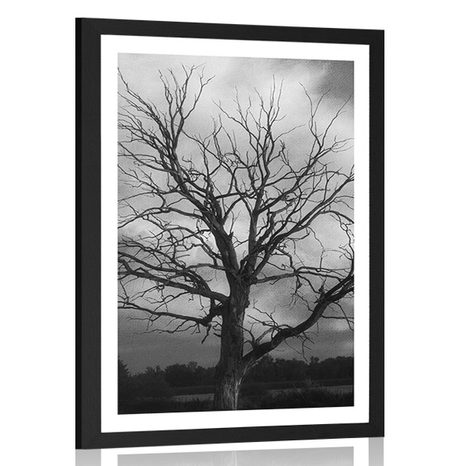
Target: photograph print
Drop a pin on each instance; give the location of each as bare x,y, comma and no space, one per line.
236,233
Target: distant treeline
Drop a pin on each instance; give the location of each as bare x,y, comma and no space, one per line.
190,378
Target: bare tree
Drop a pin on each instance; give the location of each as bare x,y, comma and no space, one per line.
204,219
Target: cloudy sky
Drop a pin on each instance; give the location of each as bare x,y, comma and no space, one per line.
246,75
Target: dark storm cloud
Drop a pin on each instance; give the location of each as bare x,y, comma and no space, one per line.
151,349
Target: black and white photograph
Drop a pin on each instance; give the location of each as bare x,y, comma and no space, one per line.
235,233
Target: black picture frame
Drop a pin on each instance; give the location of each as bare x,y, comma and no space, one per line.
88,232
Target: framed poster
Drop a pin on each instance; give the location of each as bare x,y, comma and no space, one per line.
229,185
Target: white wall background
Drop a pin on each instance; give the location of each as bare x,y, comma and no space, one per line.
425,250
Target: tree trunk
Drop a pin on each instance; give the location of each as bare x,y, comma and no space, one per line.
227,392
229,370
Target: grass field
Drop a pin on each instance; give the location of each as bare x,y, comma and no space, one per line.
253,396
